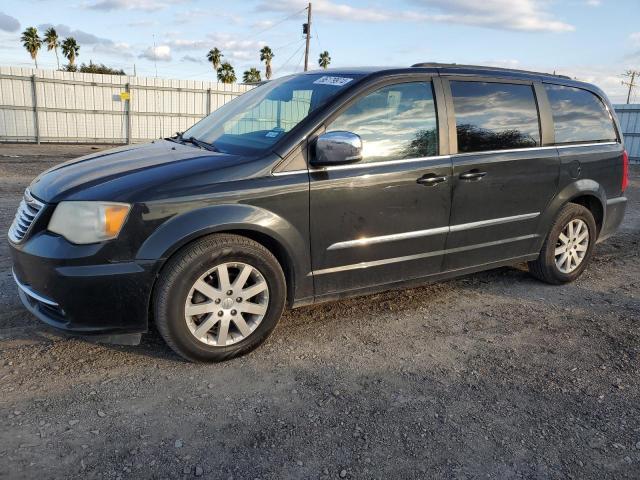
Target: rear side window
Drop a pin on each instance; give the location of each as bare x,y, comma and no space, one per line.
579,116
394,122
495,116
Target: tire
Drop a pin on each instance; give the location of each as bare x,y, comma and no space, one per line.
552,267
224,324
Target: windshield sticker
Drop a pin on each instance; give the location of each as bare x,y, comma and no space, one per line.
335,81
272,134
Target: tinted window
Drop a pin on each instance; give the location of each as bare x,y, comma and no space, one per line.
495,116
394,122
579,116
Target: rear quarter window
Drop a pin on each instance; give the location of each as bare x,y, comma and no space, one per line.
579,116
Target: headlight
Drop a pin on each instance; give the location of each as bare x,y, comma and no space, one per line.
88,222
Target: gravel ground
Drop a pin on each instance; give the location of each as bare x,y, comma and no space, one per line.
493,375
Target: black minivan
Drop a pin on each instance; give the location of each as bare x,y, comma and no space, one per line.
318,186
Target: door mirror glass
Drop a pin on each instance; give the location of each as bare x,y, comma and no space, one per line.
335,148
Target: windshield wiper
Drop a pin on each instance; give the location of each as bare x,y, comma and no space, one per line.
199,143
176,138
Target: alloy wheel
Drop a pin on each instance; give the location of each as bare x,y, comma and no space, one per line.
226,304
572,245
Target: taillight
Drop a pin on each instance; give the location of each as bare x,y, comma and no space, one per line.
625,170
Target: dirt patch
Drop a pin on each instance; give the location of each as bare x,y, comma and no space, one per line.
493,375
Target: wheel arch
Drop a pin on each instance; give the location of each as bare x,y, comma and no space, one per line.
276,234
585,192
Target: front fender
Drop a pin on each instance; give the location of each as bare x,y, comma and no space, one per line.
184,228
575,189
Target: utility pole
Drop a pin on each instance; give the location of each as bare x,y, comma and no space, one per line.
632,74
306,28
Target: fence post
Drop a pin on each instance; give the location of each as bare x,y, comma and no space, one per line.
36,121
208,101
127,107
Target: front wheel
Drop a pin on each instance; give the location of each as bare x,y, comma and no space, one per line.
219,297
568,246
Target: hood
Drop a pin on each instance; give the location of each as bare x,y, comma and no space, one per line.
119,173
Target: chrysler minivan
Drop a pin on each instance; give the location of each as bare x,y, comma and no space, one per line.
318,186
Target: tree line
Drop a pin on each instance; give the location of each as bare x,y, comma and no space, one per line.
71,50
226,73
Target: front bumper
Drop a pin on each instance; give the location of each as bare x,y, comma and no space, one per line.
77,296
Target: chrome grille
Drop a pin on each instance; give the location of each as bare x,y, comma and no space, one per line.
27,212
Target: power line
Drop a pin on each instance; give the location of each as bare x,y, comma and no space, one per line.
298,64
281,21
294,53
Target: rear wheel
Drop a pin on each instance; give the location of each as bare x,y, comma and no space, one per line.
218,298
568,246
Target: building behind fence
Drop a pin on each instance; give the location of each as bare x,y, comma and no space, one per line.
629,116
51,106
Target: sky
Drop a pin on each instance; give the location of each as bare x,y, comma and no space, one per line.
592,40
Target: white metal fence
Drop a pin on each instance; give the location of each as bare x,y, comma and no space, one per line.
629,116
51,106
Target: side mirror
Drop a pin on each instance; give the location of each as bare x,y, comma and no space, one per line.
336,148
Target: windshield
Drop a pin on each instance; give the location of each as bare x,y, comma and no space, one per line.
256,120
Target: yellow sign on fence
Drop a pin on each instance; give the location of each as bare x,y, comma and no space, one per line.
125,96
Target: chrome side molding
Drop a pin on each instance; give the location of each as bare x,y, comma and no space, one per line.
363,242
386,261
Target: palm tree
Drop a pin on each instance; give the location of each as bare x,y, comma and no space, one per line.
251,76
215,57
71,50
32,42
266,55
324,60
226,73
52,41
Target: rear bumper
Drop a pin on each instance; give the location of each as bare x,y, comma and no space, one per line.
110,298
614,214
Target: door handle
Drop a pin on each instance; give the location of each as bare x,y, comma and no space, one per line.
430,179
474,174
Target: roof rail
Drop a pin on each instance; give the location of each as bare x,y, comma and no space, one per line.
484,67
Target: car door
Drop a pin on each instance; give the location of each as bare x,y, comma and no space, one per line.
503,175
385,218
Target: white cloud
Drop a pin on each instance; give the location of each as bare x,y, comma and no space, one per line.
142,23
194,15
8,23
193,59
594,3
262,24
145,5
160,53
233,48
523,15
81,36
635,39
120,49
183,44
